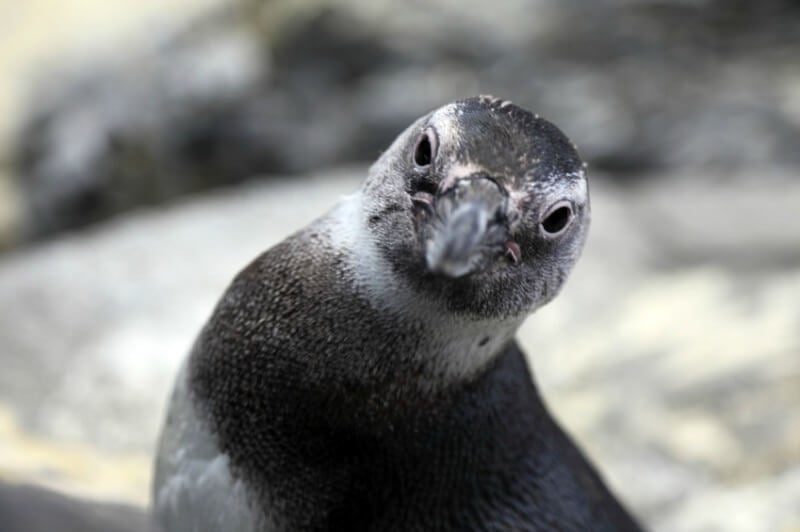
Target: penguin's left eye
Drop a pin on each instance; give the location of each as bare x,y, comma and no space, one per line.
557,219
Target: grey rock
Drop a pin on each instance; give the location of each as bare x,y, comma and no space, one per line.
32,509
281,87
140,129
742,220
766,505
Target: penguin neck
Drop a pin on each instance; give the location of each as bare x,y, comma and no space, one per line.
452,347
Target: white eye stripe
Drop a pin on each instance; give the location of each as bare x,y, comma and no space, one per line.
580,191
458,171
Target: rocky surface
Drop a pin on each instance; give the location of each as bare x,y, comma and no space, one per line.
34,46
31,508
285,86
673,354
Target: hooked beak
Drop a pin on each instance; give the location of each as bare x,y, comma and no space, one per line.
468,228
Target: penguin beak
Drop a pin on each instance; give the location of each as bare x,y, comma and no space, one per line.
468,228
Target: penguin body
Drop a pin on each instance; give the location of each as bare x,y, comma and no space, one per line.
363,374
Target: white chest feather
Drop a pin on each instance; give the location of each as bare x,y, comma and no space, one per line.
194,490
459,346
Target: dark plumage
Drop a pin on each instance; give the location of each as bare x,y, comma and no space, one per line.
362,374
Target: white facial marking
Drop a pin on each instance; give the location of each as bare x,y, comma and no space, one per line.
446,125
453,342
459,171
457,343
580,192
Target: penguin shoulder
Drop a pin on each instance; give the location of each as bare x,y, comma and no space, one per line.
194,488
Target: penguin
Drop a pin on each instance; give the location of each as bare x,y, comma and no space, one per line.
363,373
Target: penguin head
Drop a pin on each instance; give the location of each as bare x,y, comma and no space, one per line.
480,206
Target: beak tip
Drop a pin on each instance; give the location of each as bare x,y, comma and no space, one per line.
464,229
438,263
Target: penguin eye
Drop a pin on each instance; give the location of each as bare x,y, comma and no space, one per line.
557,219
424,150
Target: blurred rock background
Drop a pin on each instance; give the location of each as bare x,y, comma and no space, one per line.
148,150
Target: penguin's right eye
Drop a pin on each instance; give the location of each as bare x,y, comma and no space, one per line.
424,150
557,219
